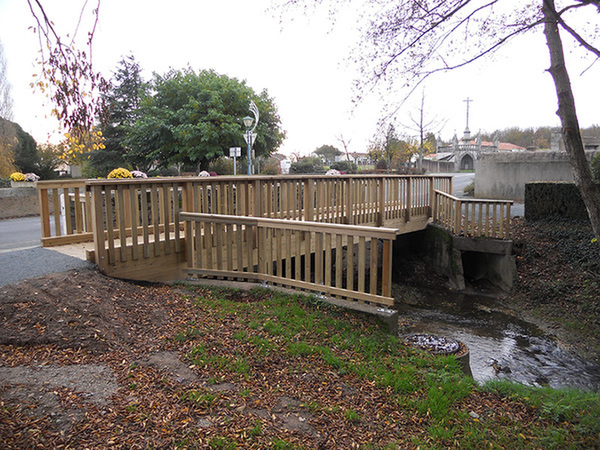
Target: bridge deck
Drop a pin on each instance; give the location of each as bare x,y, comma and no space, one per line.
127,220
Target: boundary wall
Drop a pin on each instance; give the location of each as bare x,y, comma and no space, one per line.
503,175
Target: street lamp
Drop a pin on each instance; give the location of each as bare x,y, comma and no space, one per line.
248,123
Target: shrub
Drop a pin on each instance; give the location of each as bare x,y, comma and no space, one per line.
271,167
221,166
120,173
344,166
307,165
469,190
168,172
382,164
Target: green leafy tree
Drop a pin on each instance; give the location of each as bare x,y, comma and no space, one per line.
24,147
123,101
49,161
387,146
8,141
327,153
190,118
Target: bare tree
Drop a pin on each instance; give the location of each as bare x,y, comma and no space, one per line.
7,129
6,101
345,143
424,125
67,75
408,41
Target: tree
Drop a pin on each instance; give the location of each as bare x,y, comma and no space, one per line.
122,100
388,146
408,41
327,153
6,101
49,160
423,125
22,145
67,75
7,131
345,143
192,118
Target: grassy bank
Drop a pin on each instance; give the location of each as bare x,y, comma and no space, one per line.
301,374
197,367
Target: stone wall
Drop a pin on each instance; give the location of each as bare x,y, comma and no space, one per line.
19,202
503,175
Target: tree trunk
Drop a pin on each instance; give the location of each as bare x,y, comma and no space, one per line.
590,192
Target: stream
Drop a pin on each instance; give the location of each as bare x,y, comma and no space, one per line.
501,346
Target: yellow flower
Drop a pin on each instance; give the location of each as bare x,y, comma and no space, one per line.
17,176
120,173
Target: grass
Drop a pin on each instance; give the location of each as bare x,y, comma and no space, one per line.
349,374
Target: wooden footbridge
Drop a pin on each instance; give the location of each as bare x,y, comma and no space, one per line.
324,234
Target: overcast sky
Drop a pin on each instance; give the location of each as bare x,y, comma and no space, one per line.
302,64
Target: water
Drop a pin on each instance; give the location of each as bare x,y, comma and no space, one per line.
501,346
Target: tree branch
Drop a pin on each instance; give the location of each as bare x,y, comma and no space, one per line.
572,32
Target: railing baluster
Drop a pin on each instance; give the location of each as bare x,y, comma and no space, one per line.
373,266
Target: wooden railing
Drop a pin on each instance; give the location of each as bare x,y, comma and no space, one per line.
65,212
138,231
357,200
350,262
473,217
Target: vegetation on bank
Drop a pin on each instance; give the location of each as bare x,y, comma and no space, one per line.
218,368
558,265
357,385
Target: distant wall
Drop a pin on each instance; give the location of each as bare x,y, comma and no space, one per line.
503,175
438,166
19,202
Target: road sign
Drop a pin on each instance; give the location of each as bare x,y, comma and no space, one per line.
252,138
235,151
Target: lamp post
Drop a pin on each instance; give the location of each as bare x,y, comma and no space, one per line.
248,123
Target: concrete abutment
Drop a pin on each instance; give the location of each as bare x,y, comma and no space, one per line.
460,259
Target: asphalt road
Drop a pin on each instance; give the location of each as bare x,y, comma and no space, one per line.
461,180
22,256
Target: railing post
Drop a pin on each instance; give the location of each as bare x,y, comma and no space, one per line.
457,217
349,219
381,202
431,197
408,199
44,212
308,200
386,269
258,207
187,205
98,227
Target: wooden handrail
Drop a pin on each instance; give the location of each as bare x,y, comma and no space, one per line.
70,205
279,251
473,217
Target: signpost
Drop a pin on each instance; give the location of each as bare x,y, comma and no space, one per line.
234,152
